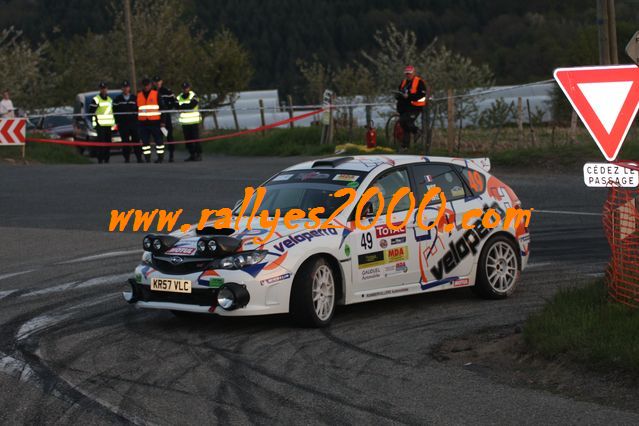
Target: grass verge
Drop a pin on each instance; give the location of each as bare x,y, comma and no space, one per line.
44,153
583,325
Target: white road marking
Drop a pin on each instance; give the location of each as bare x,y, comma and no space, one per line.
13,274
539,265
5,293
101,256
46,320
108,279
567,212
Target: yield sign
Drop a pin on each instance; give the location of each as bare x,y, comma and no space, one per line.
606,99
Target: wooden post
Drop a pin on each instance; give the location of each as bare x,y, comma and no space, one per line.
350,123
520,119
461,126
215,122
237,124
532,129
427,128
451,122
24,153
290,110
573,127
612,32
331,122
262,119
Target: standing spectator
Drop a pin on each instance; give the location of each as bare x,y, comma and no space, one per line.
190,120
126,107
411,100
102,119
167,102
149,121
6,106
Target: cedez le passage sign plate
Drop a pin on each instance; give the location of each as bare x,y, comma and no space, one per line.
600,175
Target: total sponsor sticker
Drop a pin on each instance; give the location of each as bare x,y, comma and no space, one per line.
383,231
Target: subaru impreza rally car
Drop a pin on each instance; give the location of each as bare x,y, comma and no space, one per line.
308,272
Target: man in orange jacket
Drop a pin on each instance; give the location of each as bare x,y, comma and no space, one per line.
411,100
149,118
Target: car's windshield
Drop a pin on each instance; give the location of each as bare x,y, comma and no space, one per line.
305,190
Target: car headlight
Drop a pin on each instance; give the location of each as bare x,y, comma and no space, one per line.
157,244
147,242
212,245
241,260
147,258
201,246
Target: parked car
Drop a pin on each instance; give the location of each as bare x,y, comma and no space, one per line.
54,126
83,129
308,272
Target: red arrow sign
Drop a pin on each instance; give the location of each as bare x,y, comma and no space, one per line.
606,99
12,131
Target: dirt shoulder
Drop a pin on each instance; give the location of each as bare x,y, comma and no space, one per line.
503,356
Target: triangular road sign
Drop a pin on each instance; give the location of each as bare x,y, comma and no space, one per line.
606,99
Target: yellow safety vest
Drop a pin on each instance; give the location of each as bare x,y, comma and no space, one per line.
192,116
104,114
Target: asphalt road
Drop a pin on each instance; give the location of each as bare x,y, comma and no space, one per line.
71,350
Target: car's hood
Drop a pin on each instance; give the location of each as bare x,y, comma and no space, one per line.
282,231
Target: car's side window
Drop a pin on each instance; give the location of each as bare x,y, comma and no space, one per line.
441,175
475,180
388,184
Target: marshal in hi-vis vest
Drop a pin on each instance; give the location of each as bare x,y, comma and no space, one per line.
103,116
191,116
413,89
148,107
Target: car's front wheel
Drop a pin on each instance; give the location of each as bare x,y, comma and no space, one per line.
314,294
498,269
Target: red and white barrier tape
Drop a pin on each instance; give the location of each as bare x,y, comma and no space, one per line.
211,138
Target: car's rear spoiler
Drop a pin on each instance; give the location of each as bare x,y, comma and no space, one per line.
482,163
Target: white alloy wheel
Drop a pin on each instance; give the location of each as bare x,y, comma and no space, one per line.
323,292
501,267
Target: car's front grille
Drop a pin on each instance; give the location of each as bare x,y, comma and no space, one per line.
198,296
186,267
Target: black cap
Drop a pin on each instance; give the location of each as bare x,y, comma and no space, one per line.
102,85
186,85
146,81
156,78
125,83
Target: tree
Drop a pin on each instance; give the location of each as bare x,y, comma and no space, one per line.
393,52
224,69
21,69
318,78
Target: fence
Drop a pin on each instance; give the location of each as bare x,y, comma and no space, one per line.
483,121
621,224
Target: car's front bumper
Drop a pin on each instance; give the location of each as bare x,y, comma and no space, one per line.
267,296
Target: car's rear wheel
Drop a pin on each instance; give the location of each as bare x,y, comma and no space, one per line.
498,269
314,294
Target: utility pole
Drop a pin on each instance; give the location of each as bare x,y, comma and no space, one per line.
603,32
612,32
129,44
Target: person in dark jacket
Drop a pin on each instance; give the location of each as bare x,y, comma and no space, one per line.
167,102
411,100
125,106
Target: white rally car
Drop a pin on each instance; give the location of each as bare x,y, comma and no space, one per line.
308,272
